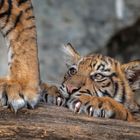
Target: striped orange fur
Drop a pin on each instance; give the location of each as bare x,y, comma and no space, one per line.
21,86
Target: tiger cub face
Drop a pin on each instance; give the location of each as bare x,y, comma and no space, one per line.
98,75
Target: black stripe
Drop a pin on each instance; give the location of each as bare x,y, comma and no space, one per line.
8,14
1,3
116,86
29,28
88,92
98,67
15,24
21,2
25,29
107,70
83,91
101,65
96,93
102,80
123,95
18,18
87,103
62,88
94,64
31,38
30,17
21,95
106,93
77,94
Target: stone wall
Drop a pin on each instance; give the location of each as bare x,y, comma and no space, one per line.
87,24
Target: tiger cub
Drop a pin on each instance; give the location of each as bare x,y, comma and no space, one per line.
17,23
98,86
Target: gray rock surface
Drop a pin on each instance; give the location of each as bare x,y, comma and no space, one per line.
87,24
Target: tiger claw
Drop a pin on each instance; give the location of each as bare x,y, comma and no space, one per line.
99,112
91,111
77,107
59,101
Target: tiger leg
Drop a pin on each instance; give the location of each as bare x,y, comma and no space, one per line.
104,107
17,24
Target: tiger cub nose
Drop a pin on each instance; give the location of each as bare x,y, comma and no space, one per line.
71,89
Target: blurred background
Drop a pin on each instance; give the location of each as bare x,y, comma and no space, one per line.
110,27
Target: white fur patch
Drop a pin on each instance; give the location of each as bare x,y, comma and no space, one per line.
67,55
10,52
67,51
17,104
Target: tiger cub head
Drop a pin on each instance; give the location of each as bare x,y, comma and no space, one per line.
99,75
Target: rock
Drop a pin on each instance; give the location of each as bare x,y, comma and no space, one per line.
88,25
124,44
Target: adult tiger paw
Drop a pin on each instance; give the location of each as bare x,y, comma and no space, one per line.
103,107
15,95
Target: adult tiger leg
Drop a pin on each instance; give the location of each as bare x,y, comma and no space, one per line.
21,87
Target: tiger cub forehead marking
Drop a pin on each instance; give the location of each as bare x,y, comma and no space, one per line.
98,63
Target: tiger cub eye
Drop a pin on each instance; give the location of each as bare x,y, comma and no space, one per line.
72,71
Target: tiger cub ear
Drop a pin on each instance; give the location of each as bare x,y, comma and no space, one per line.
72,56
132,72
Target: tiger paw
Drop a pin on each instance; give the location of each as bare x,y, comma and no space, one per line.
51,95
14,96
103,107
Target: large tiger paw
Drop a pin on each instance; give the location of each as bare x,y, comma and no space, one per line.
16,96
51,95
104,107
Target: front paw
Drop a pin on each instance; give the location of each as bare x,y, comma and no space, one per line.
51,95
104,107
15,96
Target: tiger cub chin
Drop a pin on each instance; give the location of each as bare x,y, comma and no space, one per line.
97,85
